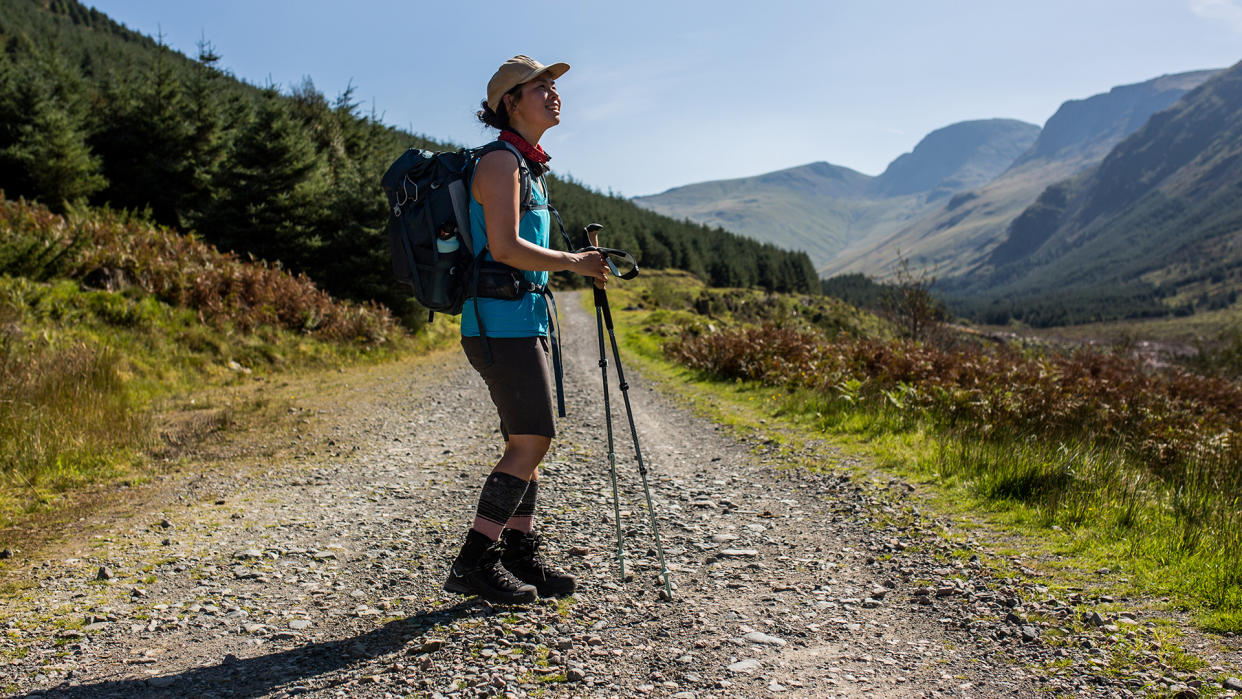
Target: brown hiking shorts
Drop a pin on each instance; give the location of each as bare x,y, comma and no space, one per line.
519,381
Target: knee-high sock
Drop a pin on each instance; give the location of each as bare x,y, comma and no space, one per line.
523,518
502,493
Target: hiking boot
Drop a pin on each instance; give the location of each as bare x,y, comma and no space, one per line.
478,571
521,557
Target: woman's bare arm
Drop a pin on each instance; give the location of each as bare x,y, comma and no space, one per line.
497,186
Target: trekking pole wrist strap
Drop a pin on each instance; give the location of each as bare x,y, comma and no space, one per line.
609,253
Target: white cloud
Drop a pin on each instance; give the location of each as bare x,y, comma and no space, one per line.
1227,11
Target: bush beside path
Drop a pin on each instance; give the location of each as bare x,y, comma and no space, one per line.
314,567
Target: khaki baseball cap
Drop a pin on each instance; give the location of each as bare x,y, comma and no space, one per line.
514,72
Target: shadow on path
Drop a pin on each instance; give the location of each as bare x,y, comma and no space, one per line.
262,674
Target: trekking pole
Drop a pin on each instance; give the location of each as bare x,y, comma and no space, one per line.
601,306
592,233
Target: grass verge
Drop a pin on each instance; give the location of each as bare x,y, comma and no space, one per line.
1081,507
108,326
94,384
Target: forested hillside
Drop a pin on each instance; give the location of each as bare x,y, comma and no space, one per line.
94,112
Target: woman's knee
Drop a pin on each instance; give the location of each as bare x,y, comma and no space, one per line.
528,446
522,456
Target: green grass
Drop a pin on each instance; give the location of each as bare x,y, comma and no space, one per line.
66,415
87,374
1072,507
1078,507
83,374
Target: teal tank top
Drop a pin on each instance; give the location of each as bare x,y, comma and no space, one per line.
527,316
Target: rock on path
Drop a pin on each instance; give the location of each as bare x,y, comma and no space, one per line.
319,572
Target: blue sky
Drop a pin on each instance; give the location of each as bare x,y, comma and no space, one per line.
673,92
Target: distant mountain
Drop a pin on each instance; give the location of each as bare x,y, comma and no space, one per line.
816,207
823,208
1157,225
959,156
959,236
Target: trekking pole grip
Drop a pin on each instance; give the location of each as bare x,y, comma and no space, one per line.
592,234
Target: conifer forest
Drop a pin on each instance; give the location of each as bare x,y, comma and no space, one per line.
94,114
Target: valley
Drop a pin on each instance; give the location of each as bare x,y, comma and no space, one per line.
1049,226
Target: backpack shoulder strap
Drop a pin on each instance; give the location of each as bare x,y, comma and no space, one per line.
526,200
525,197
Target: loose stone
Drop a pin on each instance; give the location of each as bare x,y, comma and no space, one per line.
764,639
430,645
746,666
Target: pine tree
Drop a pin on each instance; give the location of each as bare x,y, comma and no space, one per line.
146,141
210,106
267,192
354,256
52,151
43,150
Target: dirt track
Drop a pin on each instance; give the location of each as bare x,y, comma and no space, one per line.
320,573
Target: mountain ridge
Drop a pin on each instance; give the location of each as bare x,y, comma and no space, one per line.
1064,128
1161,213
956,157
823,208
957,238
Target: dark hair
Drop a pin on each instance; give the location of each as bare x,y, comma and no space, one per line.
498,119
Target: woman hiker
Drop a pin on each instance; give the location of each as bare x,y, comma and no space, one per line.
500,560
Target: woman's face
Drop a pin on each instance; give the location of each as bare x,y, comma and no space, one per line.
537,104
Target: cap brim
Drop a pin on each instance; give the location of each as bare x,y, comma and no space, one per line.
555,71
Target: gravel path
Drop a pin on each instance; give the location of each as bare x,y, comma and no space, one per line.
320,572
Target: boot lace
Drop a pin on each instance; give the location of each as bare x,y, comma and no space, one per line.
526,554
495,567
530,550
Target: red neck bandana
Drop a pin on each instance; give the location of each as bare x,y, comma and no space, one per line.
535,154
